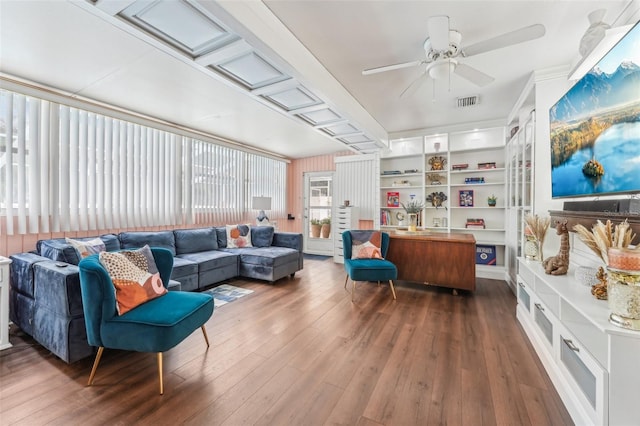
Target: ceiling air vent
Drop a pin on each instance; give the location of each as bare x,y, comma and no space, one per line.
468,101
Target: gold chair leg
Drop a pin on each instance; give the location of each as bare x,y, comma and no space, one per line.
160,373
392,289
345,281
353,289
95,365
206,338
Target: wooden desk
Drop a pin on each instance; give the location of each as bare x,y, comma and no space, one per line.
446,260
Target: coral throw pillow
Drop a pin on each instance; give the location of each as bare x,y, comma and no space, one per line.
366,245
238,236
87,248
135,277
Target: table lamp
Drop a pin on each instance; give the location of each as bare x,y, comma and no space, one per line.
262,204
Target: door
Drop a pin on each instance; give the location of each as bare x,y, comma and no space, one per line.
318,196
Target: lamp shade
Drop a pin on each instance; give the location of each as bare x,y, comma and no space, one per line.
261,203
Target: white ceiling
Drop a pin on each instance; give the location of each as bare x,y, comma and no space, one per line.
70,47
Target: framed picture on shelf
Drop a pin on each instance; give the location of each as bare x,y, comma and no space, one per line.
466,198
393,199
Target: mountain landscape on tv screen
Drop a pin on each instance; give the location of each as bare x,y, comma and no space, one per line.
597,91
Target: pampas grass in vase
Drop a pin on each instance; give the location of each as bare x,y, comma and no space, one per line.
603,236
538,227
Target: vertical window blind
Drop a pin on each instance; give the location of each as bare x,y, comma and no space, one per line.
67,169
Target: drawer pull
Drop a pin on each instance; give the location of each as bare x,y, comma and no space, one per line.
571,346
520,284
539,307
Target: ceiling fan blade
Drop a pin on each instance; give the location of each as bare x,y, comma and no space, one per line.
414,86
531,32
473,75
438,27
392,67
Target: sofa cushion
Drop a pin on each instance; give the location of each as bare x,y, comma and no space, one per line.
221,232
136,279
59,250
262,236
212,259
238,236
87,248
183,267
365,244
163,239
195,240
265,256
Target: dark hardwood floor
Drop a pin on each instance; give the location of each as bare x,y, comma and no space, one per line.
301,353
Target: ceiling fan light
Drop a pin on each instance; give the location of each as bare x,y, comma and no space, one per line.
442,69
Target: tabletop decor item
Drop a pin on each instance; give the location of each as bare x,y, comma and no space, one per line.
437,162
623,287
492,200
600,239
538,227
559,264
413,209
437,199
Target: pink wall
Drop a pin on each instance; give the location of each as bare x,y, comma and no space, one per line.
10,244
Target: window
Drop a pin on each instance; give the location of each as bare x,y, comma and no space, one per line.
67,169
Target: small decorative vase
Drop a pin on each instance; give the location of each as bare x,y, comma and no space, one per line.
587,275
623,289
413,222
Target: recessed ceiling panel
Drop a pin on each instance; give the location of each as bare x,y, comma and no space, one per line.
321,116
370,146
297,97
252,71
355,139
340,129
180,24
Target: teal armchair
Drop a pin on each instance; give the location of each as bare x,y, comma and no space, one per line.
155,326
368,269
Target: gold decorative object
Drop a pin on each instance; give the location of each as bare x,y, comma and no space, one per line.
435,179
437,199
600,290
437,162
559,264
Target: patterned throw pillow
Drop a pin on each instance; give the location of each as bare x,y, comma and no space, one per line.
238,236
366,245
87,248
135,277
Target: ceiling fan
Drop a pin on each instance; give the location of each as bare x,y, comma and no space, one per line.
444,51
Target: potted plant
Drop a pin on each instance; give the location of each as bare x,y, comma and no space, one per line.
492,200
316,226
325,230
413,209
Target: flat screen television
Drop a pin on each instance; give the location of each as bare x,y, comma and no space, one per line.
595,127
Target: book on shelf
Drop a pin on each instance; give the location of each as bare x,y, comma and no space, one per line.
466,198
412,171
488,165
385,218
460,166
485,254
475,223
471,226
391,172
474,180
393,199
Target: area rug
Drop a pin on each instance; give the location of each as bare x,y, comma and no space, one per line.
226,293
316,257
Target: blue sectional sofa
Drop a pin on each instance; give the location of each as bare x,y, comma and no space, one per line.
45,299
